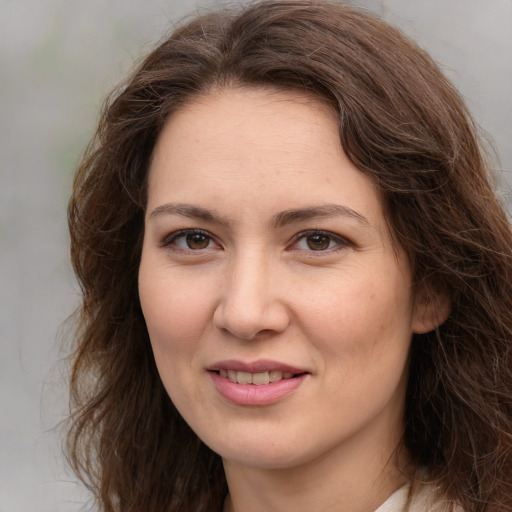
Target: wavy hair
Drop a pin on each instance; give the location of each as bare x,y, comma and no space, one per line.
401,123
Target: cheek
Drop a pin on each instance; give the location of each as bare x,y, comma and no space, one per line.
362,340
176,316
176,312
361,321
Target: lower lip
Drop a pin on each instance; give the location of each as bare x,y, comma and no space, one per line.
250,394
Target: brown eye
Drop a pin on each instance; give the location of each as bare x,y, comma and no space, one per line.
190,240
318,242
197,241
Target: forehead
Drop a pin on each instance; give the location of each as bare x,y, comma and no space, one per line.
270,147
240,118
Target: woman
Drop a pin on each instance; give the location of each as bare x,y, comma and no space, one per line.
295,278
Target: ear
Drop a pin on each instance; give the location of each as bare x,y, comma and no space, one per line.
431,309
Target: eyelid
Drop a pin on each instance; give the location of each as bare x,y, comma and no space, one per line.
341,241
170,238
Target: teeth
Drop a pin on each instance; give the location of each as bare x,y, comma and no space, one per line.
258,379
275,375
244,377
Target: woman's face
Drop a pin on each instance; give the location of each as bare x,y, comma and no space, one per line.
280,312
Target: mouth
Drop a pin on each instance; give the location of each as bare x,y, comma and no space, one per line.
258,383
257,379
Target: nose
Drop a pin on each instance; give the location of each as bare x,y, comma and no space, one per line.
250,303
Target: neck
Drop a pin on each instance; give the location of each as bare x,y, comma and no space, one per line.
359,481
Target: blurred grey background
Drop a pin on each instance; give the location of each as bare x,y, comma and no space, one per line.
58,59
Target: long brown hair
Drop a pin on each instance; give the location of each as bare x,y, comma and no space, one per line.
403,124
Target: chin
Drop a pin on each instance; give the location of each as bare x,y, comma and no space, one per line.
264,450
264,458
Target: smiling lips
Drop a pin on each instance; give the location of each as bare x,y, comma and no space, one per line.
258,383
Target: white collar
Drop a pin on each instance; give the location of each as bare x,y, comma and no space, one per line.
397,501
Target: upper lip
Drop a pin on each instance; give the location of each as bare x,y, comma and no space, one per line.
259,366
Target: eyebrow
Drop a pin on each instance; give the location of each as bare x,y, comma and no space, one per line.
190,211
317,212
279,220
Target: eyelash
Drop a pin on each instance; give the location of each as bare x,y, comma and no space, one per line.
340,242
183,233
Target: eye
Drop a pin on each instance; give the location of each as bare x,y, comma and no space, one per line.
319,241
190,240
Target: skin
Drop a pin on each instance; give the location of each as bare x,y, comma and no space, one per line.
327,292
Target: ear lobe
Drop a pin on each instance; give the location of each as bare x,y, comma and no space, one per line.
431,309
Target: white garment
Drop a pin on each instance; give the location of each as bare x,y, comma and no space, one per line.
426,500
397,501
